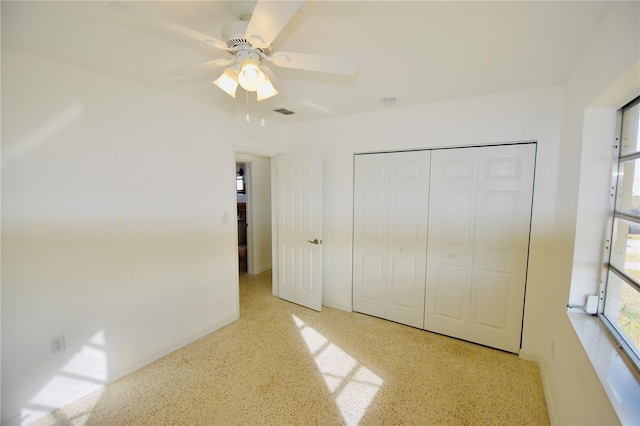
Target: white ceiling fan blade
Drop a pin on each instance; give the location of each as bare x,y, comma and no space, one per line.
325,63
203,67
165,24
268,19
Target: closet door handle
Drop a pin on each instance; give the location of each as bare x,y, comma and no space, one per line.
314,241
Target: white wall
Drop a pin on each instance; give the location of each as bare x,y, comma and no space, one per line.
118,227
518,116
605,76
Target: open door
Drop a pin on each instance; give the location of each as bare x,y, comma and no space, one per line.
299,232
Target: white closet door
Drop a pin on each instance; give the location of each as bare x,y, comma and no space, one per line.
407,236
503,218
371,200
390,226
451,239
478,243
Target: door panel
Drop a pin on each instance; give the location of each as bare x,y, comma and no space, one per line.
492,293
307,211
404,216
450,299
407,236
403,282
390,221
447,307
450,245
498,211
308,269
372,273
370,233
288,263
299,185
505,194
457,210
373,224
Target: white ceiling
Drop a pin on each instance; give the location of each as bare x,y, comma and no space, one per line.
416,51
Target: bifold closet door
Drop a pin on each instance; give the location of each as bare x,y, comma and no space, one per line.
478,243
391,193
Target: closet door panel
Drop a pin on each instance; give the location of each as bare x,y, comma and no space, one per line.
450,299
372,271
407,236
390,226
505,190
441,240
370,233
451,224
491,293
402,282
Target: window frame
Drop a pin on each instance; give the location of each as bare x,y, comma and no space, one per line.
240,189
632,355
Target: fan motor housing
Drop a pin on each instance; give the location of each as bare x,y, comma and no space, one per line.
233,34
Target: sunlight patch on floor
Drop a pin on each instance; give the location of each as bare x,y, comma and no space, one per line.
354,385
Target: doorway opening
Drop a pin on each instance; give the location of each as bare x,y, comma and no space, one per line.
253,196
241,200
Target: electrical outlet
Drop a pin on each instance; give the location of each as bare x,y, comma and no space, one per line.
57,344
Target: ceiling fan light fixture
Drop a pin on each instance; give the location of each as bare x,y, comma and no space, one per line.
266,90
228,82
251,77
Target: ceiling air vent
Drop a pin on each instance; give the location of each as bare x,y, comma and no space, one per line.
284,111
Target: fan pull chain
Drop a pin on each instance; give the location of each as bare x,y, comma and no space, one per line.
247,104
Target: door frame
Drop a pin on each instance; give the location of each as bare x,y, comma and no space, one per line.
247,155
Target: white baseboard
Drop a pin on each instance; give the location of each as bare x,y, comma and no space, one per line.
534,357
169,349
547,393
263,269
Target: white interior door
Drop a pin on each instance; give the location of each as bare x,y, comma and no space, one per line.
478,243
299,186
390,234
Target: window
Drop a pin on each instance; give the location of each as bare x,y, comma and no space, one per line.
240,181
621,311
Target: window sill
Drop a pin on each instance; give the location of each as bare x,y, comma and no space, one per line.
619,381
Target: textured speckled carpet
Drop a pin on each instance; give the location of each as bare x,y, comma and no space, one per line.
283,364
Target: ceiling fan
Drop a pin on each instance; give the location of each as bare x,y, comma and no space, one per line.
248,46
